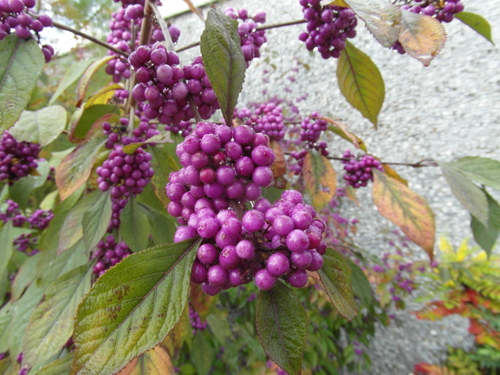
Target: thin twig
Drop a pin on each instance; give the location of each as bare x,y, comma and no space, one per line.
419,164
188,46
89,37
275,26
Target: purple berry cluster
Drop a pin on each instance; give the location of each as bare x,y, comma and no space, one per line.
311,129
13,213
195,321
271,241
125,175
251,38
15,15
124,24
328,27
16,158
160,88
108,253
40,219
267,118
120,37
200,88
219,164
223,169
310,132
441,10
359,170
24,242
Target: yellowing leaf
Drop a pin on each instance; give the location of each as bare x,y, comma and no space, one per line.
421,36
341,130
84,82
339,3
392,173
380,18
103,96
153,362
194,9
360,82
279,166
406,209
75,168
319,178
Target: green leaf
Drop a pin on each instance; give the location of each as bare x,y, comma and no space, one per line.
163,164
406,209
335,276
76,167
21,190
72,229
282,324
175,339
471,196
21,313
51,324
5,319
52,266
421,36
223,60
25,276
163,226
381,19
132,306
21,62
42,126
6,239
84,82
360,284
7,367
483,170
96,219
71,75
60,366
134,226
202,354
219,325
84,119
486,236
360,82
476,23
4,287
320,179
